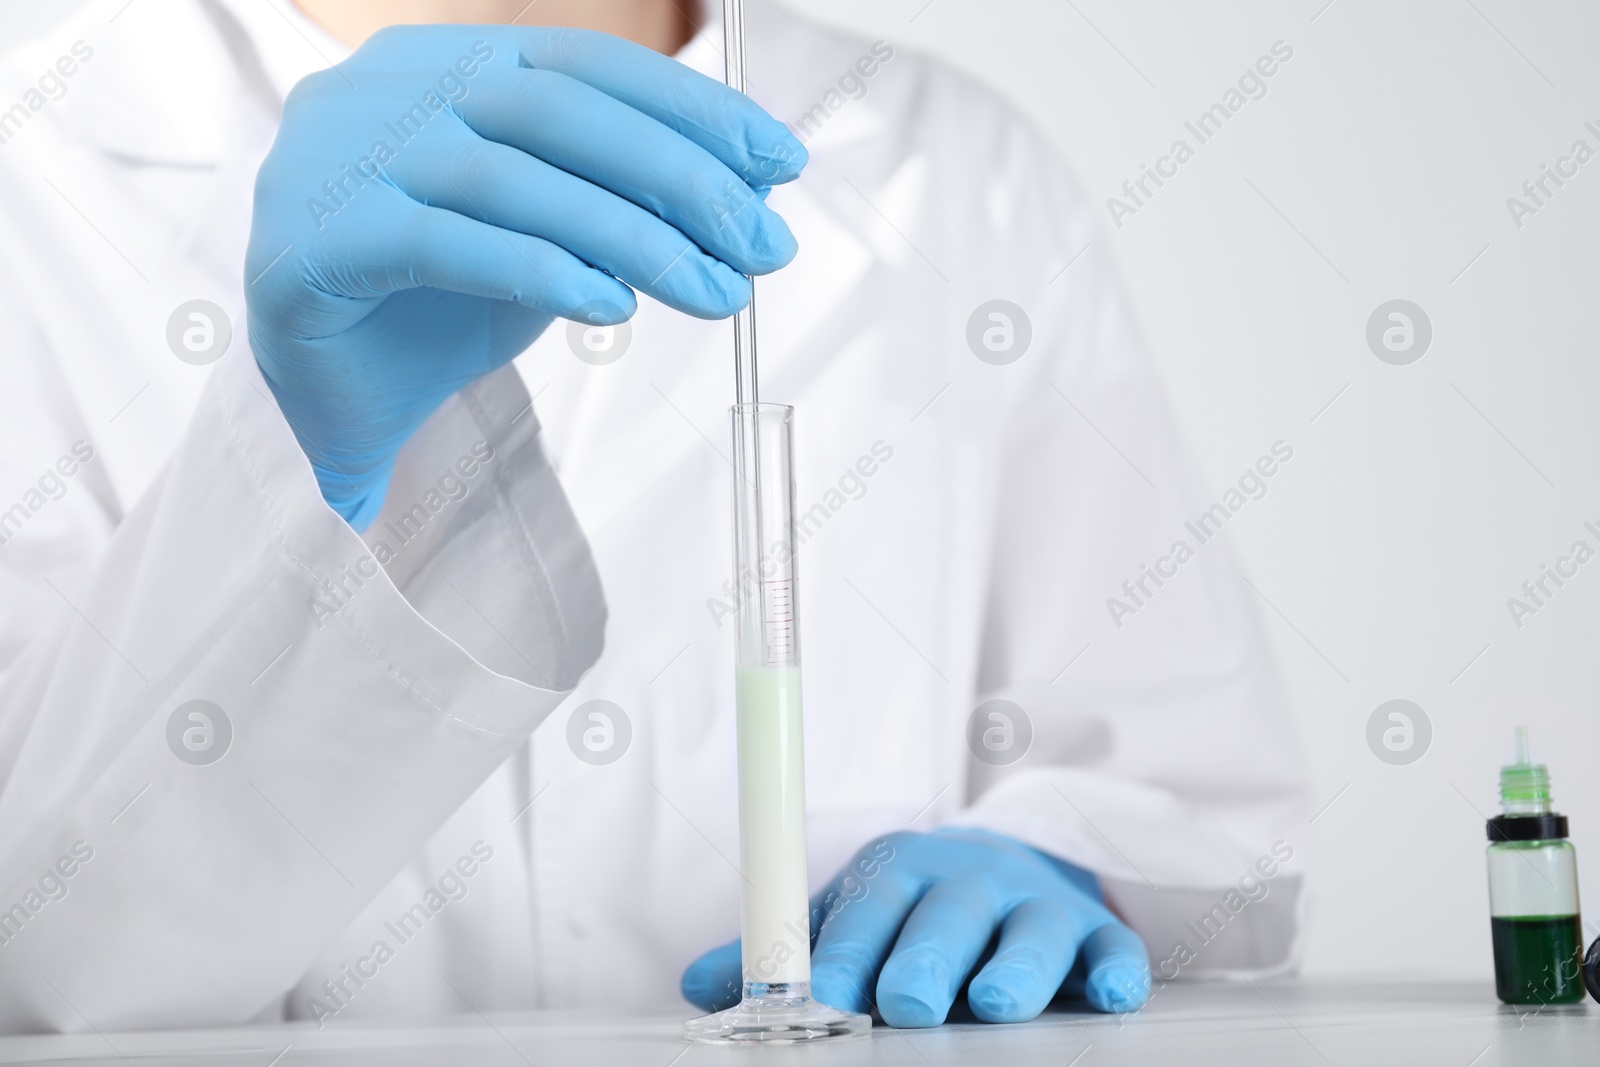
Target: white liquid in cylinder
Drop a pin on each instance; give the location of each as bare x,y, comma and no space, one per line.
772,826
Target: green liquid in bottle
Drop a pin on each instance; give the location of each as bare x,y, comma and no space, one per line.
1537,959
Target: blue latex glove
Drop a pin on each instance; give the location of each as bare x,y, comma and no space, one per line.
908,921
434,202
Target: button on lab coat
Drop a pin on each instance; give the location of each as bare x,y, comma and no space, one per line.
379,835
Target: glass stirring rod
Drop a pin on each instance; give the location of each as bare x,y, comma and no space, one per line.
746,442
744,322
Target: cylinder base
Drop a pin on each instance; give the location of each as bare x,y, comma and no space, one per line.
781,1014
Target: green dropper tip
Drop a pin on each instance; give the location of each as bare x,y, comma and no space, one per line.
1523,782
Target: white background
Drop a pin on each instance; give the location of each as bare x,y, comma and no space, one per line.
1377,167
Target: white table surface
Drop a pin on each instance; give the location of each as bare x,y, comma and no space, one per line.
1359,1023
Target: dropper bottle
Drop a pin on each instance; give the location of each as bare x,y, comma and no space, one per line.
1533,891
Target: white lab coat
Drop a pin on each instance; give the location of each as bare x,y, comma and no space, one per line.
380,745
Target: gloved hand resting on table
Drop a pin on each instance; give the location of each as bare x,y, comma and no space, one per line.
434,202
908,921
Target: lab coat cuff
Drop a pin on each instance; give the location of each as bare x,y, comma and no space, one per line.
475,573
476,533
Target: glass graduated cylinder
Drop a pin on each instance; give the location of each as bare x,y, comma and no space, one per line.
776,1006
772,831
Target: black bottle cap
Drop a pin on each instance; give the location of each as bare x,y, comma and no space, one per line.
1591,969
1548,827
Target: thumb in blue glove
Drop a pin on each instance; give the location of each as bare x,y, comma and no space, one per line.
905,940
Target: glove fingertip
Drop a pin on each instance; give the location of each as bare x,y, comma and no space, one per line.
617,306
785,159
776,245
992,1004
906,1011
1118,986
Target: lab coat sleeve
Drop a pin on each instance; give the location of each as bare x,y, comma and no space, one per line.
227,726
1162,753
